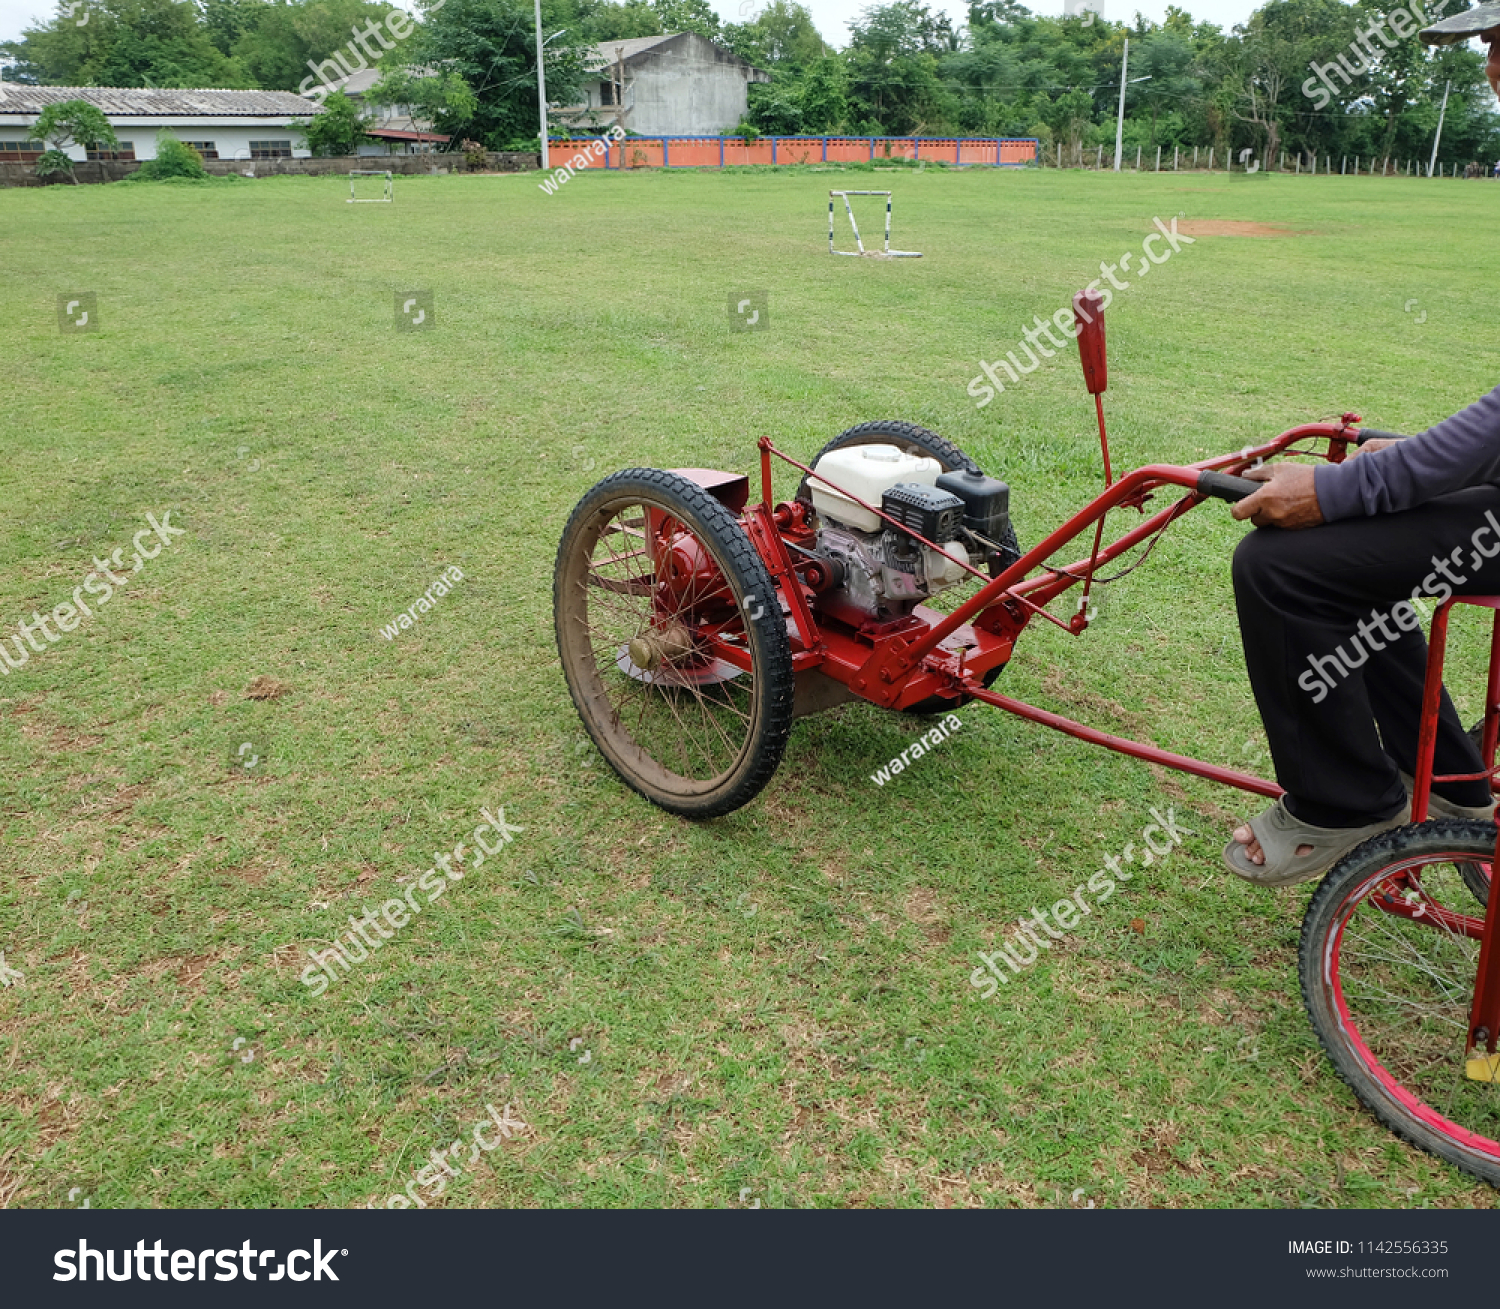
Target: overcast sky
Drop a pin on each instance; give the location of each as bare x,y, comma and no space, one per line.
831,16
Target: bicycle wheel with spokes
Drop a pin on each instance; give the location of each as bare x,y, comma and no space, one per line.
673,642
1388,959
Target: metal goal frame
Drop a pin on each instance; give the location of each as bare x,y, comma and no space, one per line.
862,253
390,187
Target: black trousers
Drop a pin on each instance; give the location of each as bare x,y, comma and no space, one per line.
1337,651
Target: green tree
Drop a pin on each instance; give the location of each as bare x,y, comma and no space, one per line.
173,159
226,21
619,22
781,37
127,43
688,16
444,99
1166,58
893,69
336,129
285,43
825,97
73,122
491,46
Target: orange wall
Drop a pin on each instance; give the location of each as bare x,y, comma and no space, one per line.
709,152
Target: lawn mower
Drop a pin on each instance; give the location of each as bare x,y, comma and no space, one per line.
694,626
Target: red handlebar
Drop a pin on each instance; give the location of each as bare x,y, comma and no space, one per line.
1088,309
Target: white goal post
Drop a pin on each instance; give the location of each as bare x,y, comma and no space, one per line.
387,198
861,252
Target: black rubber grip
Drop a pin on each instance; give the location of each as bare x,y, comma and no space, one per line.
1366,433
1225,487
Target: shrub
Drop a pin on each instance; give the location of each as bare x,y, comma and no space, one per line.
476,157
173,159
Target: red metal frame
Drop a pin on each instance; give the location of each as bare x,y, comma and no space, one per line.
927,655
1484,1012
900,663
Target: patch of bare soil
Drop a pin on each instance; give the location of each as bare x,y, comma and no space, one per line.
1233,227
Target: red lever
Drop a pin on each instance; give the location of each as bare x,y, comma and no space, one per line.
1088,309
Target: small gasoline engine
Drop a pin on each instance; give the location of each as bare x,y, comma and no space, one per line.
876,571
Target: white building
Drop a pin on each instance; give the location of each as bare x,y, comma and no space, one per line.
676,85
218,124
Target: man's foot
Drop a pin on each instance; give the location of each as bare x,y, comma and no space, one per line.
1277,849
1245,835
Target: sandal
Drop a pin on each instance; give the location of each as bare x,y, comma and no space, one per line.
1279,834
1437,807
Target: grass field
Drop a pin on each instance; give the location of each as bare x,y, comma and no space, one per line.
773,1008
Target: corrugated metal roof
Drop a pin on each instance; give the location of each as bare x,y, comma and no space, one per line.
125,102
631,46
357,84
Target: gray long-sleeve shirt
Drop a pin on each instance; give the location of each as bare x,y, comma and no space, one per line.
1460,451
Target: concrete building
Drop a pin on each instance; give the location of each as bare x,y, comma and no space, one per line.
218,124
677,85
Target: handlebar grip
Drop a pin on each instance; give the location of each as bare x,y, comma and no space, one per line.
1366,433
1226,487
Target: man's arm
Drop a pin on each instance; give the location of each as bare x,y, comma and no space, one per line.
1460,451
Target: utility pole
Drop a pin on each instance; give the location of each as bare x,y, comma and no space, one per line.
541,87
1439,135
1120,121
620,87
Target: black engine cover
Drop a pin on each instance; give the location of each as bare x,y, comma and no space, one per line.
929,512
986,501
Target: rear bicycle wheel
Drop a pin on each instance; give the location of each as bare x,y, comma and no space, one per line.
1388,959
673,642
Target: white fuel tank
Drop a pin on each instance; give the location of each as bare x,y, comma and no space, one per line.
868,471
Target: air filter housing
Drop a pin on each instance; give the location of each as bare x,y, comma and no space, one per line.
929,512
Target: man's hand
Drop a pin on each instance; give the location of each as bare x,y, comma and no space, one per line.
1373,444
1287,500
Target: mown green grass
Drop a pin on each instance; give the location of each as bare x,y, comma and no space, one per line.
771,1007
